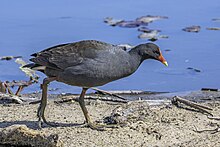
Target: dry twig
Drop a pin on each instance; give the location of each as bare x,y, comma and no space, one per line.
11,98
92,98
2,87
108,93
197,106
213,131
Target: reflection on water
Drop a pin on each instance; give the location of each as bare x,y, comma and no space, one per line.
30,26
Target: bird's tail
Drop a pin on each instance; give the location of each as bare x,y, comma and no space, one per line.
34,66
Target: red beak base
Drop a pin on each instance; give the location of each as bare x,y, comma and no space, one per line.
162,59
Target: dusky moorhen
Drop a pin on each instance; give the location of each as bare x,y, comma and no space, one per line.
88,64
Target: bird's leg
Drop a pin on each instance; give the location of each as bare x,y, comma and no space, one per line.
43,103
82,105
85,111
86,114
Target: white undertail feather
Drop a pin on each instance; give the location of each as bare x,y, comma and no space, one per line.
39,68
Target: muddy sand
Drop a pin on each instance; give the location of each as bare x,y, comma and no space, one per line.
139,124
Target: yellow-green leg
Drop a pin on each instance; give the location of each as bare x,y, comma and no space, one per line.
86,114
43,103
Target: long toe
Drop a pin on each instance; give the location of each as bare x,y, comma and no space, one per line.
48,123
96,127
101,127
42,119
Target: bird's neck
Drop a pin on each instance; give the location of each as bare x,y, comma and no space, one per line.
135,59
135,55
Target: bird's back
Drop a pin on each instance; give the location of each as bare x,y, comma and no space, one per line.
66,55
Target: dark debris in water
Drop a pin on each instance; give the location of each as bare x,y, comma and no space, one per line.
53,89
194,69
147,30
193,28
65,17
123,23
112,22
141,23
149,34
216,19
167,50
213,28
152,36
9,57
153,39
150,18
129,24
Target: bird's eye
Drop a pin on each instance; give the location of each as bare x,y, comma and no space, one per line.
157,52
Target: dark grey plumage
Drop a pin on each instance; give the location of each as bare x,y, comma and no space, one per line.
91,63
88,64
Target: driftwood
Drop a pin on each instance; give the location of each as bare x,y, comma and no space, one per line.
91,98
108,93
8,98
21,84
6,86
197,106
201,108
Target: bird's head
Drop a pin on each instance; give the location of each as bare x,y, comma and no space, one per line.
151,51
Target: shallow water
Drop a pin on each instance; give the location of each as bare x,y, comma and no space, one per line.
30,26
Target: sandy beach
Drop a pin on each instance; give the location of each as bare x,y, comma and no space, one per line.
139,124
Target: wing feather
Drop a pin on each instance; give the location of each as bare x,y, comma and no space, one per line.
71,54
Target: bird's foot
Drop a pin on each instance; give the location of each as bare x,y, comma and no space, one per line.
42,119
99,127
